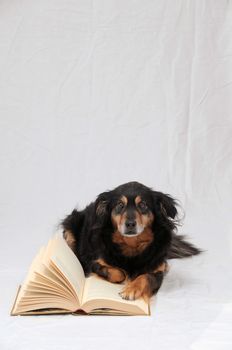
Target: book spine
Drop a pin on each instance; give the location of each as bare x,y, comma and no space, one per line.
80,312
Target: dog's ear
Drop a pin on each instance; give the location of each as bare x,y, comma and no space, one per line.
102,204
166,204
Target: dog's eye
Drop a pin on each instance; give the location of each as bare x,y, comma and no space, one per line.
119,206
142,205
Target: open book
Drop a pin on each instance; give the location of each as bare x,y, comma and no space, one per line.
56,283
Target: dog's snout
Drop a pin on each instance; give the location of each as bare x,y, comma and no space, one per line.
130,224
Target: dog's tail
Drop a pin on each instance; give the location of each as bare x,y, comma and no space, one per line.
180,248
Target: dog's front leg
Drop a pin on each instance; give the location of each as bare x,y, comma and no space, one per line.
144,285
110,273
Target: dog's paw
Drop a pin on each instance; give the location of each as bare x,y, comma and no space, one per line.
115,275
130,293
137,288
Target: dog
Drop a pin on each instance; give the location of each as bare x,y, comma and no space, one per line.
127,235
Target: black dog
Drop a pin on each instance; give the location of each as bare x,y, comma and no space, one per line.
128,234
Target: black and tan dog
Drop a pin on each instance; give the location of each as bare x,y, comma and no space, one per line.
128,234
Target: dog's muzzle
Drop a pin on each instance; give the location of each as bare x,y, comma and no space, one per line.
130,228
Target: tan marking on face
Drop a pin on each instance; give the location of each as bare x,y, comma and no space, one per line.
142,220
114,275
138,218
124,200
147,219
134,245
70,239
118,219
138,200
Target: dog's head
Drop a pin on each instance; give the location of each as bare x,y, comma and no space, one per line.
132,207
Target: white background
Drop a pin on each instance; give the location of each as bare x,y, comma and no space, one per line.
97,93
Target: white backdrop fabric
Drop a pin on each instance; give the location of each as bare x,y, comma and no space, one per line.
97,93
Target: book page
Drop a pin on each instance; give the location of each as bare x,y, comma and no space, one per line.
99,293
50,270
55,278
68,264
30,273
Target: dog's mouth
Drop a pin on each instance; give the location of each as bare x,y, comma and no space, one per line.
130,234
124,231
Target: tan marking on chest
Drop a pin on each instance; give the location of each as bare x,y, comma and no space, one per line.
131,246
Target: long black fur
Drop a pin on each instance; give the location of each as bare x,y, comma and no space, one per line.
180,248
92,229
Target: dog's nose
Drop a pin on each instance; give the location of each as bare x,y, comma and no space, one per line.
130,224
